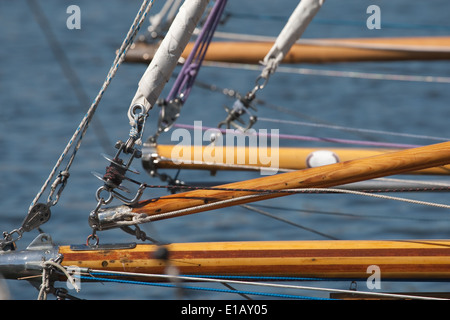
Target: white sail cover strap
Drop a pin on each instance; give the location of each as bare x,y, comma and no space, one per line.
292,31
166,57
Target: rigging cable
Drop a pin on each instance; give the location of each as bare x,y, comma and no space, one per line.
348,215
171,106
335,73
309,138
327,126
393,25
145,7
296,25
149,89
167,285
39,213
273,285
252,208
66,67
124,215
317,122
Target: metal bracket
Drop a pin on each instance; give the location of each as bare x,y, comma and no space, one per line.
240,107
112,246
28,263
170,111
42,242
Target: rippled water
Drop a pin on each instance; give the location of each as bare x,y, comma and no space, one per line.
39,110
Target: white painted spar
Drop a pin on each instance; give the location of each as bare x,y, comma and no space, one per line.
166,57
291,33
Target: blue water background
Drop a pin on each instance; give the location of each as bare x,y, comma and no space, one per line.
39,112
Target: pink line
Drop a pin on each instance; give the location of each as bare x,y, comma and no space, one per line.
307,138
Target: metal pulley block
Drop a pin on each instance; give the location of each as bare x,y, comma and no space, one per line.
39,214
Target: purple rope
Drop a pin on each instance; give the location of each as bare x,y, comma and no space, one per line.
188,73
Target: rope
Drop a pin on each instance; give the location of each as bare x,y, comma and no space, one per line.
432,185
191,66
360,130
46,283
66,68
272,285
63,270
307,138
289,222
139,218
335,73
82,127
286,296
185,80
425,186
349,215
380,196
317,122
386,24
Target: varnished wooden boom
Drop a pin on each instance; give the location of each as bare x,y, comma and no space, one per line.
317,50
242,158
319,177
402,259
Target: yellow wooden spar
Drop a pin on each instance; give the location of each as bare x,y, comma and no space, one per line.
401,259
281,159
316,51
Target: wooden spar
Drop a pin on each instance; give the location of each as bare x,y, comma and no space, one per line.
319,177
316,51
337,259
249,158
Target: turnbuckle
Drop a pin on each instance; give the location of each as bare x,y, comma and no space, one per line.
117,169
115,174
112,179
